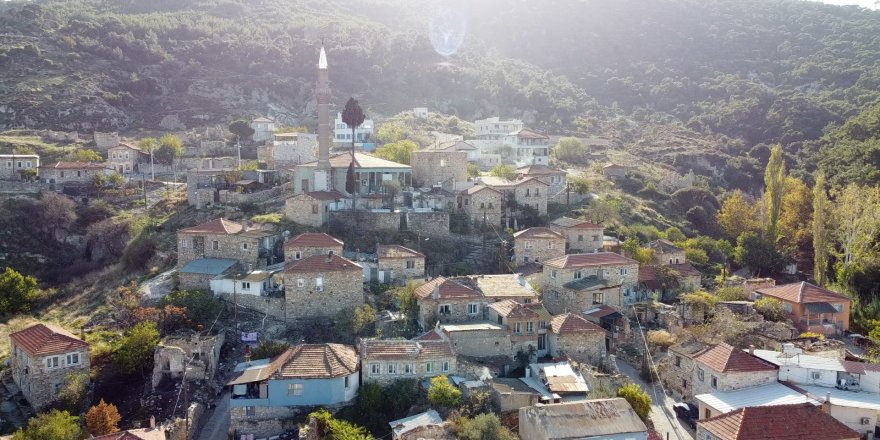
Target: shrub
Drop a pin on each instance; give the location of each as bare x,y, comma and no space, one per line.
201,307
331,428
771,309
443,393
73,394
661,338
637,398
55,425
812,335
268,348
482,426
103,418
732,294
16,291
135,351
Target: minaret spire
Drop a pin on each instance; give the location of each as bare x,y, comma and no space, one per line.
322,177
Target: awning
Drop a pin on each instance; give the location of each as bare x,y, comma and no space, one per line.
252,375
820,307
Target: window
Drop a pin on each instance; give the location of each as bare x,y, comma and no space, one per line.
300,282
701,375
537,192
467,201
684,383
838,307
62,174
527,192
392,368
314,208
482,205
444,309
816,375
295,389
530,327
598,298
624,271
787,307
410,264
542,342
578,275
473,308
8,164
319,284
527,245
52,362
250,411
183,244
297,255
549,245
517,329
215,245
408,369
375,369
714,382
542,324
73,359
678,361
445,366
553,274
246,285
347,382
442,162
126,155
490,205
244,246
580,237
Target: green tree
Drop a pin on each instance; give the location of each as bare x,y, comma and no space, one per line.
241,129
391,132
637,398
486,426
400,151
85,155
796,216
504,171
135,350
774,190
674,234
16,291
52,425
115,180
571,150
74,392
443,393
202,307
579,184
771,308
170,148
268,348
364,320
820,230
330,428
473,170
99,181
737,215
757,253
353,116
149,145
732,294
407,301
857,224
696,256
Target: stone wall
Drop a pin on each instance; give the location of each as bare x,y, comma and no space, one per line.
486,202
237,198
257,303
420,369
530,250
581,239
342,290
563,300
40,384
304,210
242,247
677,374
375,221
201,355
438,167
105,141
583,347
481,343
430,224
266,421
398,267
458,310
533,193
729,381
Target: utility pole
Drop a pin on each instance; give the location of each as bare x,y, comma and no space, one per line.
144,184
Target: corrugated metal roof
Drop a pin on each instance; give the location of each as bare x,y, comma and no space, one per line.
849,399
806,361
209,266
586,419
764,395
402,426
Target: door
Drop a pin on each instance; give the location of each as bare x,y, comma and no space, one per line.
305,185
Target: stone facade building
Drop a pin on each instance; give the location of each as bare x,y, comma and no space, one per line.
678,374
445,300
480,339
400,263
434,167
803,421
481,202
64,173
308,244
42,357
313,208
530,191
580,235
12,166
554,177
187,353
725,368
387,360
666,252
578,282
505,286
537,245
221,238
526,324
573,336
125,158
322,286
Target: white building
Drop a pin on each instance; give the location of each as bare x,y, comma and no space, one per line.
258,283
13,165
421,112
263,129
342,133
496,128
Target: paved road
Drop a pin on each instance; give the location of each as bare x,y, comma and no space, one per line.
217,425
665,422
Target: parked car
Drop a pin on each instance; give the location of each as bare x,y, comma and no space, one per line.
687,412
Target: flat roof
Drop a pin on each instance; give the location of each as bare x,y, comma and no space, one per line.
801,360
471,327
845,398
764,395
209,266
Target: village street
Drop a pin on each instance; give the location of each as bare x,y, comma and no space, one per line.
665,422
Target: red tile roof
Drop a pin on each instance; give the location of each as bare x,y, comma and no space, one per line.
431,335
802,421
44,339
539,170
311,361
725,358
326,195
321,263
538,232
686,270
397,251
477,188
134,434
802,292
525,133
512,309
216,226
128,146
313,239
446,289
389,349
571,323
601,310
75,165
587,260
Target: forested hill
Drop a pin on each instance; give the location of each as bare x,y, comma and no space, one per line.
764,71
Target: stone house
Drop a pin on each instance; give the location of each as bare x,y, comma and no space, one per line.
187,352
65,173
198,274
387,360
666,252
263,128
579,282
481,203
803,421
536,245
105,141
13,166
580,235
616,325
221,238
505,286
678,371
526,324
398,264
372,173
125,158
313,208
479,339
473,153
689,278
322,286
725,368
811,308
609,419
265,391
437,167
530,191
614,171
573,336
42,357
308,244
446,300
556,178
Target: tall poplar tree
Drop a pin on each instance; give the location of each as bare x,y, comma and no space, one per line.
774,183
353,116
820,235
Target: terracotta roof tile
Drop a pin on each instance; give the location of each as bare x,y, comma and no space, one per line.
538,232
446,289
216,226
686,270
725,358
321,263
387,349
588,260
311,361
134,434
778,422
802,292
477,188
525,133
43,339
571,323
313,239
600,311
397,251
512,309
431,335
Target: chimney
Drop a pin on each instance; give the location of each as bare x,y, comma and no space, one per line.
826,405
153,422
329,256
752,350
244,225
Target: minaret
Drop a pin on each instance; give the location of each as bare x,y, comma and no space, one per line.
323,97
